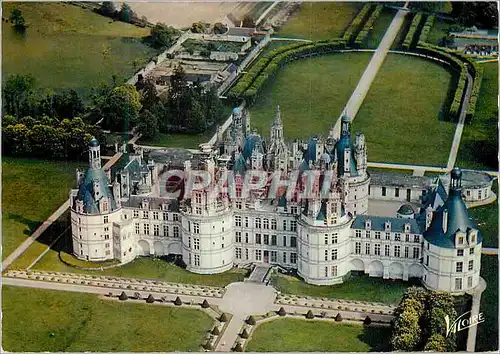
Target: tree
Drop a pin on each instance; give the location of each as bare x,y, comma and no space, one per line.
14,140
67,104
150,299
108,9
429,6
148,125
248,21
17,19
309,315
122,107
126,14
162,35
436,343
198,27
216,331
476,13
338,318
219,28
244,334
205,304
367,321
223,317
123,296
251,321
178,301
16,91
282,311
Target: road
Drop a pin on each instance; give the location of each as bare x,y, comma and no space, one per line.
361,90
400,166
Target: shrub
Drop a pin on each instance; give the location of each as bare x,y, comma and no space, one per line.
365,31
216,331
407,43
178,301
282,311
338,318
367,321
251,321
476,87
150,299
208,345
426,29
356,23
309,314
223,317
238,347
123,296
205,304
244,334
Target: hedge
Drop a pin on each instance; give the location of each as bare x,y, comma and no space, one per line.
363,34
355,24
412,31
476,87
247,79
312,49
426,29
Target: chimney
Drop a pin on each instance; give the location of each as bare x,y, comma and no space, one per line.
445,220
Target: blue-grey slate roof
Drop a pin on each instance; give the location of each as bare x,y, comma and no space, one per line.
86,191
378,224
252,141
340,147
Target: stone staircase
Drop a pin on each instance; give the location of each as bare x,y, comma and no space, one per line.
259,273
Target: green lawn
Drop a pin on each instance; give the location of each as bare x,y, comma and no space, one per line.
362,288
311,93
66,46
57,321
143,268
296,335
402,114
31,191
487,219
320,20
178,140
380,27
487,332
479,144
438,31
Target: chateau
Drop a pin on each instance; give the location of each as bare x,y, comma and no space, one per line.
307,211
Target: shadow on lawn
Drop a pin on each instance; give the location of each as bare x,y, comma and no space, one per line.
31,224
378,338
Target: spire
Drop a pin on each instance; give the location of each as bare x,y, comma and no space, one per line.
277,117
94,154
345,125
456,181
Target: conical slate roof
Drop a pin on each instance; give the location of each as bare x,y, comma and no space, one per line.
89,197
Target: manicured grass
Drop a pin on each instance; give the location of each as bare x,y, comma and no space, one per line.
55,321
400,37
402,114
487,332
66,46
178,140
362,288
143,268
31,191
390,170
320,20
311,94
296,335
486,218
380,27
479,144
438,31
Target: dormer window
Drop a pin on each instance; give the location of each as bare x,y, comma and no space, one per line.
368,224
460,240
387,226
104,206
407,227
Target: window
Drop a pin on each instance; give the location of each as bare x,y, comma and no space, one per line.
273,240
106,245
258,255
196,228
460,240
246,221
165,216
108,253
238,253
473,238
189,242
367,248
377,249
427,260
387,250
155,215
197,260
106,220
294,210
416,238
266,223
176,231
406,252
257,223
479,194
246,237
377,235
274,256
198,198
293,241
326,271
428,245
459,267
246,253
238,205
293,225
258,239
137,231
416,252
367,234
387,236
458,283
196,243
284,225
165,230
145,214
237,220
358,248
334,271
335,238
358,233
146,229
238,236
284,257
106,237
471,250
326,239
273,224
396,192
383,191
397,251
471,265
397,237
284,241
106,229
156,230
326,255
176,217
266,239
469,282
334,254
407,238
460,253
136,213
293,258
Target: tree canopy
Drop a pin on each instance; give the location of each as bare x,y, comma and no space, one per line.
162,35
